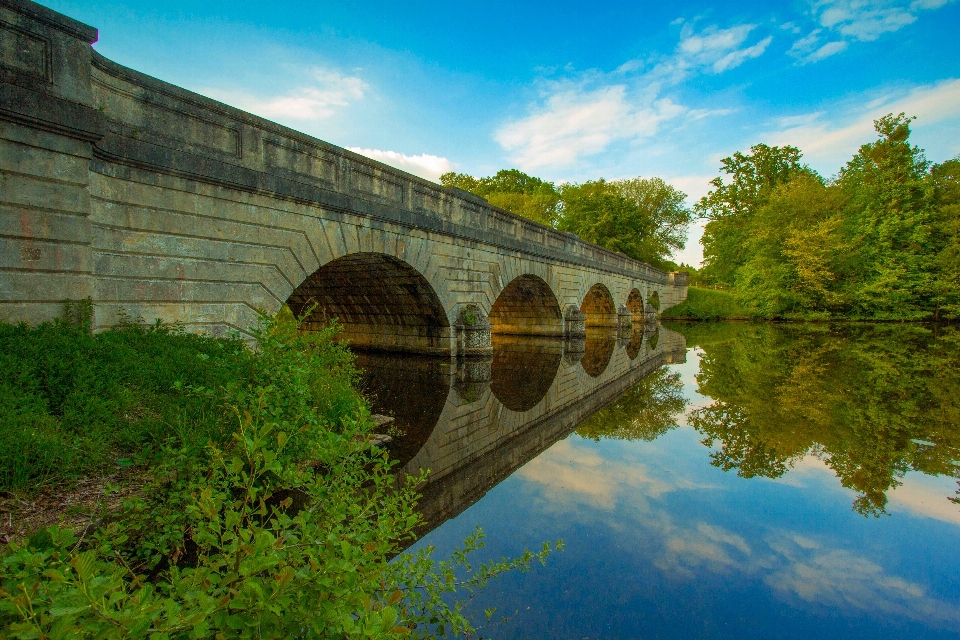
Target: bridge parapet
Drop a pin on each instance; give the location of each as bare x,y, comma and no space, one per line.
156,201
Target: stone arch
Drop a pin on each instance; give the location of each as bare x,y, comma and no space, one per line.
635,306
599,308
526,306
381,302
653,300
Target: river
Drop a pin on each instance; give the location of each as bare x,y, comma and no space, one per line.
715,480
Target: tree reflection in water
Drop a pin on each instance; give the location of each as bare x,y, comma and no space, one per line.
645,412
871,401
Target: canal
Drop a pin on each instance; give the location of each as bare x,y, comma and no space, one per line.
715,480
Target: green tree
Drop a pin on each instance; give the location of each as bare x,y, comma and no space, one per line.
645,219
729,207
944,192
597,212
512,190
890,222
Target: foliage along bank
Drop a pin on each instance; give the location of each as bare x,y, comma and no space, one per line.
266,512
881,240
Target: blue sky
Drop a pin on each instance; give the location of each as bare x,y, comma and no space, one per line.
565,91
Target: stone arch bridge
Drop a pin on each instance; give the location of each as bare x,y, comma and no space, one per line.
157,202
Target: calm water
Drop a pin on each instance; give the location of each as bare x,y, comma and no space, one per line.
709,481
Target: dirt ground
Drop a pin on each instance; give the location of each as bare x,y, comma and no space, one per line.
75,505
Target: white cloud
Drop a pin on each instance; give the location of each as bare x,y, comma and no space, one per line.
808,48
832,141
841,579
575,121
423,165
582,117
327,93
718,49
862,20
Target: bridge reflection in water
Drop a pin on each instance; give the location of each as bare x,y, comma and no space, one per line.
472,423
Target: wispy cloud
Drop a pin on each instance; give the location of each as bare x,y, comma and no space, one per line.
810,48
326,93
575,121
832,139
423,165
717,50
584,116
843,21
839,578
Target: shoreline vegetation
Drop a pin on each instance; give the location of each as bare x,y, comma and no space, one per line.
219,490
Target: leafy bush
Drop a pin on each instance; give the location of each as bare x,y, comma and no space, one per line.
72,402
289,527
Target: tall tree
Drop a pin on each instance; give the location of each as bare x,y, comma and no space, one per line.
730,205
665,207
597,212
890,222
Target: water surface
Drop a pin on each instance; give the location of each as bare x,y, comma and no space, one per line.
709,481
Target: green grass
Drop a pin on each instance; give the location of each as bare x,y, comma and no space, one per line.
709,304
73,402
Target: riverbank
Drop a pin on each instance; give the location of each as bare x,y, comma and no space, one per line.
203,488
706,305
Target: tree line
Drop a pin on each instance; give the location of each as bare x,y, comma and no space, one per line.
881,239
643,218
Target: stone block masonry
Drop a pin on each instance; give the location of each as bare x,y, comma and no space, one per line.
157,202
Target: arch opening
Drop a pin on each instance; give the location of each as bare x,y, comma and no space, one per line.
599,308
382,303
528,307
635,306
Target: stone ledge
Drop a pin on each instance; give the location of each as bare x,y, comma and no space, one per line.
35,109
51,18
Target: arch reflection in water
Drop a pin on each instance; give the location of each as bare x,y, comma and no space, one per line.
523,369
477,444
599,348
411,389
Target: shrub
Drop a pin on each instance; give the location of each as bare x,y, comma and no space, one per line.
289,527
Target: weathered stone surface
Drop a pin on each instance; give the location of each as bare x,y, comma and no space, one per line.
154,201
